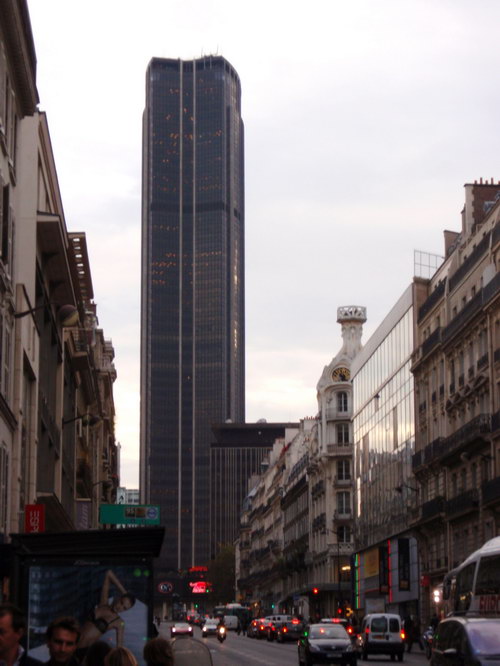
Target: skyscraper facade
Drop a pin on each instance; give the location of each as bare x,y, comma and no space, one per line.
192,311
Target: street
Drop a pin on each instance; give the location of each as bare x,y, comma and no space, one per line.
244,651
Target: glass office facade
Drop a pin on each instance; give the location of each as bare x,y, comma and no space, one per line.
384,432
192,351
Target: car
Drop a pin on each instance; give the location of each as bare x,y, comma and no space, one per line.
324,643
467,640
258,628
181,629
289,630
209,628
344,622
381,633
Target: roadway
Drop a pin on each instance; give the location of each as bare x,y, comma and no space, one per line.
243,651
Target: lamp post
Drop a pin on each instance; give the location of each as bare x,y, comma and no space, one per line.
325,530
67,314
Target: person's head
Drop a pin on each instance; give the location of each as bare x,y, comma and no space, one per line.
12,628
96,653
62,636
120,656
158,652
124,602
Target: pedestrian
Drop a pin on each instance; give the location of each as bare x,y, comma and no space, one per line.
409,632
96,654
158,652
62,636
120,656
12,630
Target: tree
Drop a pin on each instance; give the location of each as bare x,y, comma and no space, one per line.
221,573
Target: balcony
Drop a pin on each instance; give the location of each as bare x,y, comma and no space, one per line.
491,491
470,262
431,301
432,342
471,432
463,503
335,450
458,323
433,508
342,481
342,515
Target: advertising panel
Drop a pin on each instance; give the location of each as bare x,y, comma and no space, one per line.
109,600
371,562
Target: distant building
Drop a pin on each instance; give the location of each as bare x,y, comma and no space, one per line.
241,450
127,496
192,322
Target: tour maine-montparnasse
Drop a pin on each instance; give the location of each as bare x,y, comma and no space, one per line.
192,348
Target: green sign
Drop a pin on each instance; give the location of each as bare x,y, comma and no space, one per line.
129,514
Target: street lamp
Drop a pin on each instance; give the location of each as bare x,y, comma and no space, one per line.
339,587
87,420
67,314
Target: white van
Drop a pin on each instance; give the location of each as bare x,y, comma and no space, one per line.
231,622
381,633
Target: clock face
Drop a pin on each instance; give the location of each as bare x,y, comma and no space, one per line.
341,375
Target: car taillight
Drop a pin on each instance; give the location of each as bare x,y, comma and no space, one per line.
349,630
402,634
367,630
285,630
295,621
261,627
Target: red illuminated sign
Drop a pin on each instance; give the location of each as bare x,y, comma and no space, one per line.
200,587
34,518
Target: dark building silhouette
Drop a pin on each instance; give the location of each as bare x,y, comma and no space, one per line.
239,452
192,319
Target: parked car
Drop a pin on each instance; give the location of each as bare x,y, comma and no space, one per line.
381,633
181,629
326,643
462,640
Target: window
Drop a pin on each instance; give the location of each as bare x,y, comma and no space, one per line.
4,484
342,433
344,534
344,502
342,403
343,470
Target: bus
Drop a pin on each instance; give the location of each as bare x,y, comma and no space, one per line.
242,612
475,584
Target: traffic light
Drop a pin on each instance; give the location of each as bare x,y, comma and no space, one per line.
315,590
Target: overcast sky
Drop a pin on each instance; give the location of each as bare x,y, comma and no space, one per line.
363,120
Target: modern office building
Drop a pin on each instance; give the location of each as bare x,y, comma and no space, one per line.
385,574
192,319
240,451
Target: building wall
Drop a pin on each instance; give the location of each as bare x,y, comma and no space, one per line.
384,441
193,289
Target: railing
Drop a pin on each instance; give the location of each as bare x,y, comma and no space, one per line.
432,341
339,449
467,434
463,503
459,321
483,361
472,259
432,508
491,289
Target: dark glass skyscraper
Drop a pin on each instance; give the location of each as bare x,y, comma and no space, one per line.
192,318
